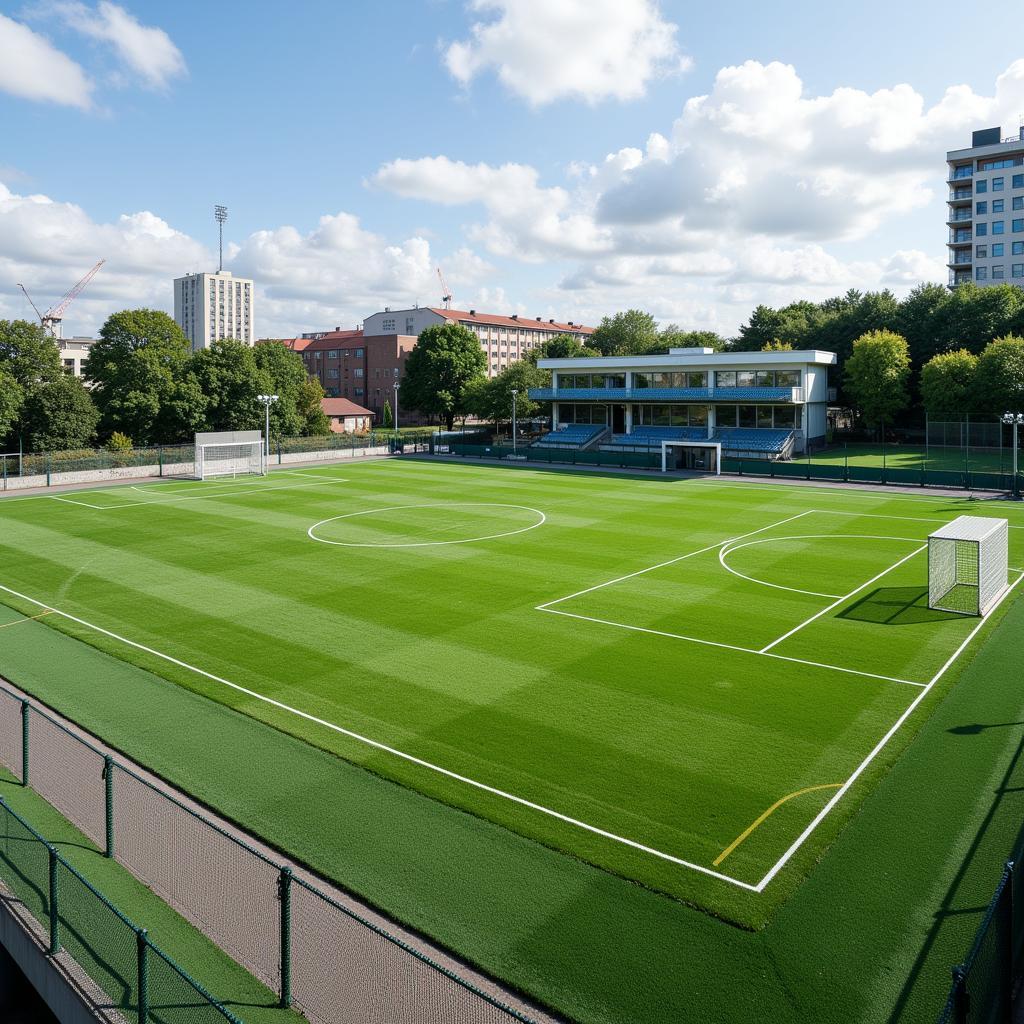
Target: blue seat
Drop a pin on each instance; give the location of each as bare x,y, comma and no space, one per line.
651,437
749,439
572,435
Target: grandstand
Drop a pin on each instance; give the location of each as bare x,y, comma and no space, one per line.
572,435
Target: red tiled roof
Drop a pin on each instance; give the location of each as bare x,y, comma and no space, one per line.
335,341
509,321
342,407
295,344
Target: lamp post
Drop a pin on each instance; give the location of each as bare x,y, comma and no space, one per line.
268,401
1014,419
515,391
396,409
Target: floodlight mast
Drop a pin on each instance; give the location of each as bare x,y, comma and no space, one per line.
515,392
1016,420
268,401
395,417
220,214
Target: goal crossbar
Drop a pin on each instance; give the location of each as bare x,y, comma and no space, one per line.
243,455
968,565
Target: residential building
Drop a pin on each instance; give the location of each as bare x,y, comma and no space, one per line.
767,404
209,307
346,417
74,352
504,339
986,210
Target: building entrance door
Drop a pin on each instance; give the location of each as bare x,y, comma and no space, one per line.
618,423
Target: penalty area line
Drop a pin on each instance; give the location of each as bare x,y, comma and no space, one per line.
378,745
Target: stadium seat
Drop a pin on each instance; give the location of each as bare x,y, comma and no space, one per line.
571,435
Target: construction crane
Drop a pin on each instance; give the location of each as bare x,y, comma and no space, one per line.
446,295
52,319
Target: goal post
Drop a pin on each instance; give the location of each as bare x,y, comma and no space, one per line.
229,453
968,565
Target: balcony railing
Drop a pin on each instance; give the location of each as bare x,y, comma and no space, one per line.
667,394
959,237
957,195
959,215
959,173
960,258
958,277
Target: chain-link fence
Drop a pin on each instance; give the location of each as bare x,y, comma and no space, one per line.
321,956
572,456
144,985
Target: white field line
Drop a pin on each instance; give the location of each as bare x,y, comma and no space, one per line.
820,816
377,745
906,519
315,476
672,561
845,597
85,504
730,647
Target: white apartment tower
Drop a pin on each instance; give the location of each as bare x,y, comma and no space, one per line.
986,210
209,307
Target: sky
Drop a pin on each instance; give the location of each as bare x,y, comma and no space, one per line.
561,158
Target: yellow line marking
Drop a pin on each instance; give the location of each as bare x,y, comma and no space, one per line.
28,618
761,820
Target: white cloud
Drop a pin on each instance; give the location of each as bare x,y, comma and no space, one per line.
146,50
32,68
545,50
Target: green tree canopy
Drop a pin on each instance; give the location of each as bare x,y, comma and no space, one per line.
1000,377
493,399
284,375
948,385
631,332
444,361
28,353
876,376
673,336
140,368
778,346
57,415
12,395
314,420
388,420
230,380
561,346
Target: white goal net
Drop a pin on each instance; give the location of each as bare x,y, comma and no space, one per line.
230,453
968,564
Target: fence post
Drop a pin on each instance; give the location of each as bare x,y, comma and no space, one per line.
25,710
160,459
279,451
284,892
54,902
108,787
961,1000
47,469
142,946
1007,951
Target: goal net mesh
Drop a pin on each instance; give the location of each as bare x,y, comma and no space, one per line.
241,459
965,575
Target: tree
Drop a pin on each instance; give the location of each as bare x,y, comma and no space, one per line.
876,376
1000,377
118,442
12,395
388,420
315,421
230,380
777,346
763,327
28,353
140,368
58,415
285,375
561,346
629,333
442,363
497,396
673,336
948,385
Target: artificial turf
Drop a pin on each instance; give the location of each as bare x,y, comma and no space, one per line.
908,456
629,689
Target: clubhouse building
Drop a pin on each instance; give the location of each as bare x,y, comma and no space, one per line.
704,404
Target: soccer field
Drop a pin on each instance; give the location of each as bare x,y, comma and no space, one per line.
692,683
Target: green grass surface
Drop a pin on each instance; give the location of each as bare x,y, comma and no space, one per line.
105,948
564,943
904,456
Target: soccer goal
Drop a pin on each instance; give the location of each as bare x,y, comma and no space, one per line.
968,564
230,453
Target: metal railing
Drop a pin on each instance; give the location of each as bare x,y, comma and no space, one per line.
143,983
319,955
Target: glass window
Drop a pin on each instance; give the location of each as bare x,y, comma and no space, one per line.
981,207
698,415
748,415
785,416
981,230
1018,224
744,378
616,380
641,380
1017,249
725,415
1018,202
998,226
997,205
981,252
764,378
998,272
1018,181
679,415
1018,270
764,416
595,381
359,353
997,248
661,415
697,380
981,273
981,186
787,378
332,372
333,354
725,379
997,184
359,371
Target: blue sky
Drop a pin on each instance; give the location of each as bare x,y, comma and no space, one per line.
555,157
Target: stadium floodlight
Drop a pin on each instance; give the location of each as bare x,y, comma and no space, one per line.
1014,419
968,565
515,392
268,401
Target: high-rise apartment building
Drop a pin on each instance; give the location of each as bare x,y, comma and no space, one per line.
986,210
209,307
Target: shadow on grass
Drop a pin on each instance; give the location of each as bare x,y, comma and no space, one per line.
896,606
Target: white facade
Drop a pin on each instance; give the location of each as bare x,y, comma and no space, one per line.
696,388
986,210
74,352
504,339
209,307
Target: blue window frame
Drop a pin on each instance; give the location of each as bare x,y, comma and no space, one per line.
1017,249
997,184
981,207
997,205
1018,203
998,273
981,273
1018,224
1017,270
1018,181
998,227
981,252
981,186
997,248
981,230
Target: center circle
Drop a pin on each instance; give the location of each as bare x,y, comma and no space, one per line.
424,526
